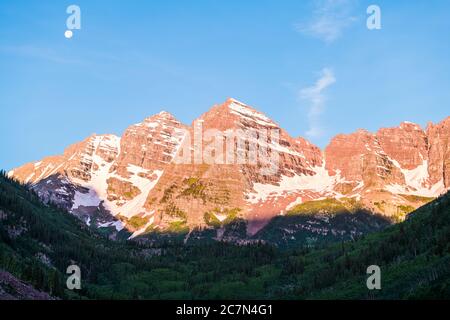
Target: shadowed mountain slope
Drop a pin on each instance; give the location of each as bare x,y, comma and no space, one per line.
38,242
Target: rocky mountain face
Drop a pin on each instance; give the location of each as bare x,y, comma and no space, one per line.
232,163
12,288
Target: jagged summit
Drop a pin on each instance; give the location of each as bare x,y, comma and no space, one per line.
408,125
166,115
233,114
157,118
232,100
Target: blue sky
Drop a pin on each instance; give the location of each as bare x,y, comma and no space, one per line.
312,66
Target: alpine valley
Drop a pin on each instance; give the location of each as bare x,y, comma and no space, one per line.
135,187
141,224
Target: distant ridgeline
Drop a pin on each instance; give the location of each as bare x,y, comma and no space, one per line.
38,242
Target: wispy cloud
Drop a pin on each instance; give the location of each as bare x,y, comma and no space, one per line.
316,98
330,18
42,53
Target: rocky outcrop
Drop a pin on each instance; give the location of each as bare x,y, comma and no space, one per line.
12,288
439,152
406,144
151,144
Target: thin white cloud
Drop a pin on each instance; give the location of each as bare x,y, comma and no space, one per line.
330,18
42,53
316,98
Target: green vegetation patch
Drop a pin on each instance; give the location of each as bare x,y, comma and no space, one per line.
173,211
327,206
194,188
178,227
414,198
137,222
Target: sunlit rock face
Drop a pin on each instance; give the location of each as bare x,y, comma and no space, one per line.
439,152
164,175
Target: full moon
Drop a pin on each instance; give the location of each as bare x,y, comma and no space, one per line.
68,34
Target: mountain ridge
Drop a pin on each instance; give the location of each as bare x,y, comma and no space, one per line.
141,175
38,242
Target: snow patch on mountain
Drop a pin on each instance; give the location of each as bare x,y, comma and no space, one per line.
297,201
136,205
136,179
116,224
417,182
360,185
417,177
321,182
273,145
89,199
220,217
431,191
242,110
27,180
142,230
98,185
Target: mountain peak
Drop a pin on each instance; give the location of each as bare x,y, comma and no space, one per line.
155,119
443,123
165,114
409,124
232,100
232,113
362,131
248,113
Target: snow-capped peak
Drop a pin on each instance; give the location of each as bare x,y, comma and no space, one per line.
410,124
243,110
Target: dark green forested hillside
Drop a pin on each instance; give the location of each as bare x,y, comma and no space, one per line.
38,242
